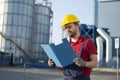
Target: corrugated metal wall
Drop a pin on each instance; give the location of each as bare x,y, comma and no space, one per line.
16,23
41,30
26,23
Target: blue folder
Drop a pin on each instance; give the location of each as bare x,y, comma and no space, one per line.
62,54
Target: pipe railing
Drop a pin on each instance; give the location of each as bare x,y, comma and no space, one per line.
24,52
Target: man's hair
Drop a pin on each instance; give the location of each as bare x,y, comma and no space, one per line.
76,23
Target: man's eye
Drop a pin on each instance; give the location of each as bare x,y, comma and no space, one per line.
69,27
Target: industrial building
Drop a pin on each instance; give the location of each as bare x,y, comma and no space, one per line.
24,25
108,16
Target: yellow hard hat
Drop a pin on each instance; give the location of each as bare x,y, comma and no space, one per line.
70,18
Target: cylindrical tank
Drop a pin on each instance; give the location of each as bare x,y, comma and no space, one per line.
16,23
41,33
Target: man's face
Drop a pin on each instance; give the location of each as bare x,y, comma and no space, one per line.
71,29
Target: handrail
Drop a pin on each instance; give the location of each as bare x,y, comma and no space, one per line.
24,52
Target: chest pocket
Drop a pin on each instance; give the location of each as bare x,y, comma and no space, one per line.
73,72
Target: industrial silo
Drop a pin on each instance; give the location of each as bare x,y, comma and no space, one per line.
16,23
41,29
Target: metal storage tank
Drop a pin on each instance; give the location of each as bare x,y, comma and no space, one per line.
16,23
41,29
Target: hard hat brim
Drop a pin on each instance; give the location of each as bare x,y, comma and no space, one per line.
63,26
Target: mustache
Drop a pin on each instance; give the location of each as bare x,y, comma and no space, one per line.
69,31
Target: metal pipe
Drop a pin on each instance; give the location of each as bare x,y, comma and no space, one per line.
108,40
96,13
99,43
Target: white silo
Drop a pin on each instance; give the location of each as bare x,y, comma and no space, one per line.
41,28
16,23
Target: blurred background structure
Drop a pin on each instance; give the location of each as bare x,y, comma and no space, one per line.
25,24
108,17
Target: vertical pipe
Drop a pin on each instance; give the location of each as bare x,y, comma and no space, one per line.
51,27
108,45
96,13
117,65
99,42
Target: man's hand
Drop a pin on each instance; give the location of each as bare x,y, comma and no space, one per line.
51,63
79,62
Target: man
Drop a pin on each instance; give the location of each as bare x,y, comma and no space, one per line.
87,58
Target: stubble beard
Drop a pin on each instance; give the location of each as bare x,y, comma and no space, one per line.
72,34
